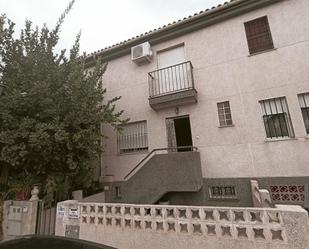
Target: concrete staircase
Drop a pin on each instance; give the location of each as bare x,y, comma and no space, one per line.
160,174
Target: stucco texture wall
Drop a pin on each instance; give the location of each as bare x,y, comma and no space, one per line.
183,227
224,71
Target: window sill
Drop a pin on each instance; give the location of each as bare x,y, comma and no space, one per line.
226,126
279,139
133,153
262,52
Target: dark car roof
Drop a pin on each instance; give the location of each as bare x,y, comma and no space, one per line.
50,242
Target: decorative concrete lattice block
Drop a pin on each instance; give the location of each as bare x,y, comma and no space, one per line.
128,211
211,229
224,215
239,216
252,224
92,220
118,222
242,233
170,213
195,213
274,217
84,209
100,220
147,212
209,215
159,226
183,227
127,223
109,210
137,211
148,224
100,209
92,208
277,235
117,210
197,229
290,193
226,231
259,233
137,224
109,221
182,213
171,226
158,212
256,217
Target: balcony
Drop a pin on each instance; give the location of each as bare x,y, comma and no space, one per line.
172,86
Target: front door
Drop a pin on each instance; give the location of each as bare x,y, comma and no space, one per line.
179,133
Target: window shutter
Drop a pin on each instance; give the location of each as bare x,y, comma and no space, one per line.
258,35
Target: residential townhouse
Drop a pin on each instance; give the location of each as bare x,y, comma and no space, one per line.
214,100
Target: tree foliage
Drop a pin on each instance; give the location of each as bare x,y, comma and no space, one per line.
51,109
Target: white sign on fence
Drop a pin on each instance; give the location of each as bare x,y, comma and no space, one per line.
60,210
74,212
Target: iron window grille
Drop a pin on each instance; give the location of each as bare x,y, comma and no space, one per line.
304,105
258,35
276,117
222,192
133,137
224,114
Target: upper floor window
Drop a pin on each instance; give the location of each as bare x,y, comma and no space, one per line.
276,118
133,138
304,105
224,113
171,56
258,35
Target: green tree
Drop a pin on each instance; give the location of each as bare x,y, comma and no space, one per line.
51,109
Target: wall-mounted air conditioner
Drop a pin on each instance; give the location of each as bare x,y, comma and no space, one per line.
141,53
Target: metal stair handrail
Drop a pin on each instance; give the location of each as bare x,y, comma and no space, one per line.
150,154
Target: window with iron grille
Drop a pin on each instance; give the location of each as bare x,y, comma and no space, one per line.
222,192
133,137
304,105
224,113
258,35
276,117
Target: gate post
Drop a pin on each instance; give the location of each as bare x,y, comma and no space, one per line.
19,218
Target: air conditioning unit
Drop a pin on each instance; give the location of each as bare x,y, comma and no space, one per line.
141,53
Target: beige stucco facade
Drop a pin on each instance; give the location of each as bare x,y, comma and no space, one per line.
224,71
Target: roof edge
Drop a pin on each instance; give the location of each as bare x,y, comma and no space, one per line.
187,25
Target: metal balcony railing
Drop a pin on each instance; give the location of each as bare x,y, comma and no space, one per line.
171,79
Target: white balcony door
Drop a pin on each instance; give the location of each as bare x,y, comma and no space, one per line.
170,78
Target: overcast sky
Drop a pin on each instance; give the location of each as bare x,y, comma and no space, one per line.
102,22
